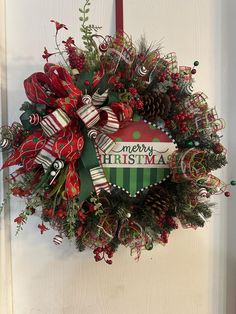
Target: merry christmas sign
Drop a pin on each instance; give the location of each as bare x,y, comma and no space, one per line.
139,158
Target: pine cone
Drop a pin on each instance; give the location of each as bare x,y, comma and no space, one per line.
156,105
157,199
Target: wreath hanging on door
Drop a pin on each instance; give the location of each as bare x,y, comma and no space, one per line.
114,146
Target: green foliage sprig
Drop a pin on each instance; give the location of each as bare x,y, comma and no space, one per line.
88,30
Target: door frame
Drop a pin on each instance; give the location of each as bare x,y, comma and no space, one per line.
6,299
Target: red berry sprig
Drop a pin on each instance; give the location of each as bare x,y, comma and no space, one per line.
181,120
175,87
136,101
175,77
76,60
103,253
61,213
171,222
164,236
162,77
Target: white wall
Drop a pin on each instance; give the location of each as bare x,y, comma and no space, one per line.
228,97
188,275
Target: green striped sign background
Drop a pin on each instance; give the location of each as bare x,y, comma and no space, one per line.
134,179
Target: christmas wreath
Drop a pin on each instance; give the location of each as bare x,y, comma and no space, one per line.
114,146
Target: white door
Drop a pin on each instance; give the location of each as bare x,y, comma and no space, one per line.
185,277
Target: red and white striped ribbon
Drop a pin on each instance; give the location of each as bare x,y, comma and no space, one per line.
89,115
112,124
44,157
55,122
99,179
104,142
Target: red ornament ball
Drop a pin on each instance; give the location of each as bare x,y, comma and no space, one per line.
227,194
86,83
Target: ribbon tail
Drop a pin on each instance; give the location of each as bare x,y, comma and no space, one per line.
17,173
45,157
99,179
13,160
104,142
72,187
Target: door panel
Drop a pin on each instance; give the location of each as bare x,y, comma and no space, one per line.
183,277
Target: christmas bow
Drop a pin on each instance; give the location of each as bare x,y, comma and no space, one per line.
99,122
65,140
60,137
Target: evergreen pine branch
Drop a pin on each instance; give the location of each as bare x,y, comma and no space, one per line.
79,244
70,221
215,161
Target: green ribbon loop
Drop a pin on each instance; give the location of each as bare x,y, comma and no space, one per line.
87,161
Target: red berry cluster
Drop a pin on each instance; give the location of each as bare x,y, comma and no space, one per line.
181,120
77,61
175,77
61,213
168,124
175,87
136,101
161,219
164,236
171,222
162,77
103,253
